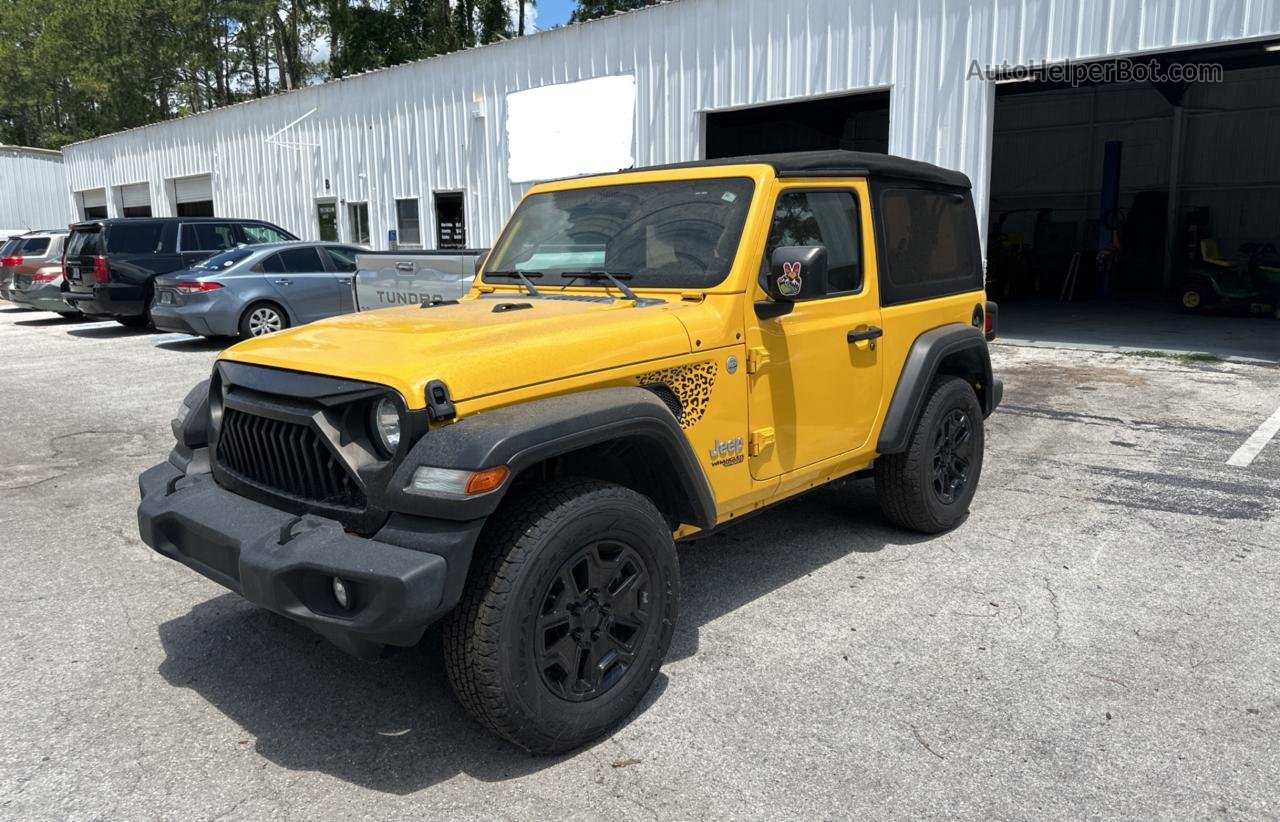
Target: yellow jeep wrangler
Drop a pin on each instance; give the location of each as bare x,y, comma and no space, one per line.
645,356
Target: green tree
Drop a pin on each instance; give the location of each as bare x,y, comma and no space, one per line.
495,21
591,9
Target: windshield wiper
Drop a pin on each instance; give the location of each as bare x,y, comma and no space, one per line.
616,279
526,278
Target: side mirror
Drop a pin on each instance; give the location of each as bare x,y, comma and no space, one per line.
795,273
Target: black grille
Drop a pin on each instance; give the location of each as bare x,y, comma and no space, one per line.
285,457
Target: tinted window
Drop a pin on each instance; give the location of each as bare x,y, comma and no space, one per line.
258,233
825,218
343,259
35,247
300,260
8,248
931,244
271,265
134,238
665,235
223,261
83,243
208,236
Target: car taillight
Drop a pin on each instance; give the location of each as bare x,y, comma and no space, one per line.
198,286
989,325
46,276
100,269
10,262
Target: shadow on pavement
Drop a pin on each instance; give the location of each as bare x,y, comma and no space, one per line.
196,344
106,332
394,726
51,320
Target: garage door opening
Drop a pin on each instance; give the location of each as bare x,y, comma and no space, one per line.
193,196
857,122
93,204
1124,213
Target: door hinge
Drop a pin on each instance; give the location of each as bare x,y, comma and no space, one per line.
757,358
759,440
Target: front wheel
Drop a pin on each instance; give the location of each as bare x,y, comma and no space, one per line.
1193,298
928,487
569,610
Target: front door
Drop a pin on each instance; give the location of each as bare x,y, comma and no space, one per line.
327,220
309,290
815,394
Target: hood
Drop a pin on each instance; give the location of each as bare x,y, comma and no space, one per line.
477,346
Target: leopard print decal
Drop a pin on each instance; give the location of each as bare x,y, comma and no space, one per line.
692,386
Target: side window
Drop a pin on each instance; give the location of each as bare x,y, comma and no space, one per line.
255,233
343,259
208,236
300,261
931,244
825,218
134,238
271,265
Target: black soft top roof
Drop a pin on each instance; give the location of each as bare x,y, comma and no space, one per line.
841,164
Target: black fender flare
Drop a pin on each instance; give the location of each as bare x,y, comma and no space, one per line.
525,434
924,362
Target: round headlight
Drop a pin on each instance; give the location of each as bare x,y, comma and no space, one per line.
386,425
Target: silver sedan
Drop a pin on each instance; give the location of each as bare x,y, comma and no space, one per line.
255,290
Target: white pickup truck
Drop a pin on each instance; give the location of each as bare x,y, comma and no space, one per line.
387,278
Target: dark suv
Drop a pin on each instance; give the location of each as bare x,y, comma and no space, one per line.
111,265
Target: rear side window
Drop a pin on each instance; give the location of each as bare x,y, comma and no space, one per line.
300,261
134,238
257,233
9,247
84,243
208,236
825,218
931,245
271,265
343,259
35,247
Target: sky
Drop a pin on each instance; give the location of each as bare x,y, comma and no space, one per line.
554,12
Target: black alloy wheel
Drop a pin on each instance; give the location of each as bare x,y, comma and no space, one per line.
594,616
953,444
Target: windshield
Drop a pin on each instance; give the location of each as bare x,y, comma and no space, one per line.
223,261
655,235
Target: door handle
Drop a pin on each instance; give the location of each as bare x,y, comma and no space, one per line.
283,282
344,281
872,333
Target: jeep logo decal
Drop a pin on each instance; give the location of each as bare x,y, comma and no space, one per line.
728,452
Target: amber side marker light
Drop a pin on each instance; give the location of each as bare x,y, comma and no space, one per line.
486,480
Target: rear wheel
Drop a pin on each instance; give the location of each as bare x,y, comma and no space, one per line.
263,318
141,320
928,487
568,614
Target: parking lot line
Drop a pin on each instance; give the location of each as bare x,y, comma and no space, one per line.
1245,454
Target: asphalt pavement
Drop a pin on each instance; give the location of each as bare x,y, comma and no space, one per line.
1098,640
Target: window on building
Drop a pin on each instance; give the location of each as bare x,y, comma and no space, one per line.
825,218
931,245
408,227
451,226
358,220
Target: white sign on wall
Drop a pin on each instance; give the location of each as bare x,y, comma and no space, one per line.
571,129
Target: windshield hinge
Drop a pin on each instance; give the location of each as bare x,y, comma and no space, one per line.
692,296
757,358
759,441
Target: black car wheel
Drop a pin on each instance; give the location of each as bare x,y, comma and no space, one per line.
568,614
928,487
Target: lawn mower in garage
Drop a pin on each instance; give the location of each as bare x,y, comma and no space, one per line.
1218,283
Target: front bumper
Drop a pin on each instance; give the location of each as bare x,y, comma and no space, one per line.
287,563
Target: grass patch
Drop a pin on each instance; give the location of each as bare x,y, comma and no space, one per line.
1177,357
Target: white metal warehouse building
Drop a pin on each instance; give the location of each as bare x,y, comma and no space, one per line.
33,189
422,148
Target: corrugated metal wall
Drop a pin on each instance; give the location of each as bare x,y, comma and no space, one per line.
33,189
438,125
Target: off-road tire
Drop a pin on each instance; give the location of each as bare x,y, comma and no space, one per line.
490,639
905,483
